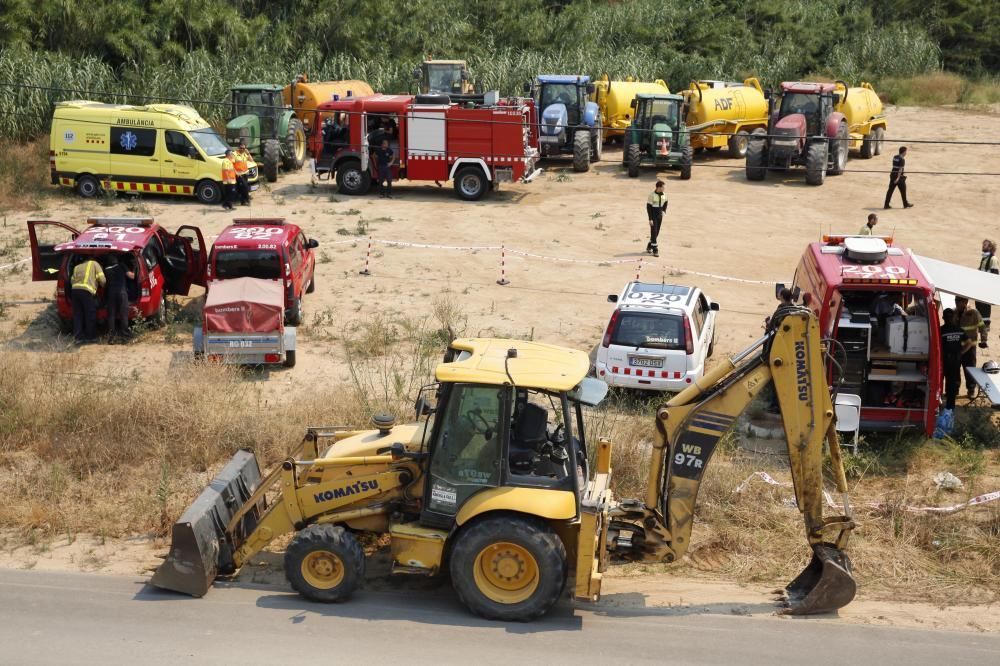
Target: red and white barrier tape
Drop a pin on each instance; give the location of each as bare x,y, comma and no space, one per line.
16,263
985,498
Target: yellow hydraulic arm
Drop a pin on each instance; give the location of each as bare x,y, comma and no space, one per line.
689,427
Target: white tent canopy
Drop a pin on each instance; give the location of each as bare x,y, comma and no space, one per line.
958,280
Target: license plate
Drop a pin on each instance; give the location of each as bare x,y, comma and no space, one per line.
645,362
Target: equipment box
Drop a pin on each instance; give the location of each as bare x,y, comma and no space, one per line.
907,335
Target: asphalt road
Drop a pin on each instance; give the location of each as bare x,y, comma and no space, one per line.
48,618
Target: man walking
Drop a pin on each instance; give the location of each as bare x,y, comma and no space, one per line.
954,343
971,322
869,228
241,163
897,178
988,264
383,161
228,180
116,297
656,206
86,278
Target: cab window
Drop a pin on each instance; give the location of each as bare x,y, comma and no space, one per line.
700,312
179,144
295,253
466,455
133,141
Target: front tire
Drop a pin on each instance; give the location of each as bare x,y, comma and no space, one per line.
471,183
686,158
508,567
271,155
581,151
208,192
88,186
816,162
597,144
351,179
324,563
634,159
738,144
295,146
756,166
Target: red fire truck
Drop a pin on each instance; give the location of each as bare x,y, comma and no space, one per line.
477,146
882,305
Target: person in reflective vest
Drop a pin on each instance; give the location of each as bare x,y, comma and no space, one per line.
87,276
228,181
241,162
970,321
988,264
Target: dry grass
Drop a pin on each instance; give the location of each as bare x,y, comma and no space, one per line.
940,88
24,174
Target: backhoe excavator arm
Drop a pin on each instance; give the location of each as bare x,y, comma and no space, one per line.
689,427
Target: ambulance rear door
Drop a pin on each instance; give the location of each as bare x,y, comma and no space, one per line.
45,235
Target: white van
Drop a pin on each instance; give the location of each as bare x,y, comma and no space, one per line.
658,337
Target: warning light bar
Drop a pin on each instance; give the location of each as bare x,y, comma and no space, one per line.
839,239
897,281
120,221
260,221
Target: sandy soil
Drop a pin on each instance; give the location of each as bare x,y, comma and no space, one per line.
717,223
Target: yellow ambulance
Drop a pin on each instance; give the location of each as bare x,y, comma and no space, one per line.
155,149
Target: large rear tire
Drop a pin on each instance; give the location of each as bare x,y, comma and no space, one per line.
816,162
271,156
868,146
686,159
294,155
840,148
508,567
756,165
351,179
581,151
324,563
293,317
738,144
633,160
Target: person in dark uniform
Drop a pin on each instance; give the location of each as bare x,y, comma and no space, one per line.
383,160
116,297
656,206
954,343
897,178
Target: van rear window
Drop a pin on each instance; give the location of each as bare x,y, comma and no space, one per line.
650,330
263,264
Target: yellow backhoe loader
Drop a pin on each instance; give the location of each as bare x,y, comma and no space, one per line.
492,481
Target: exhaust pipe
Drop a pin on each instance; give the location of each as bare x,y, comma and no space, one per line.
825,585
200,548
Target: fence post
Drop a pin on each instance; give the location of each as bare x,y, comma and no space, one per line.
503,281
368,258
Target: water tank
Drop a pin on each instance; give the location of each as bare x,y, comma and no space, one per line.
713,101
860,105
614,99
304,95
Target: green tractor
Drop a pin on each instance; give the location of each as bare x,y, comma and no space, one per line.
273,133
657,136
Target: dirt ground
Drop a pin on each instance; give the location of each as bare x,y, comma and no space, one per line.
718,223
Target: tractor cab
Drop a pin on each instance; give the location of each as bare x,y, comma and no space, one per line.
570,123
658,135
444,77
270,128
803,108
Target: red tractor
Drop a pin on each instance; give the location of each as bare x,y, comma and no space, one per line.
804,129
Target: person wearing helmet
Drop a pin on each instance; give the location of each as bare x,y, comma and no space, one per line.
991,367
954,343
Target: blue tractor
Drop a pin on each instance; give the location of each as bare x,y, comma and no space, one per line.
569,123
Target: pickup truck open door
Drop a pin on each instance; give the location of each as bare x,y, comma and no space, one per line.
45,261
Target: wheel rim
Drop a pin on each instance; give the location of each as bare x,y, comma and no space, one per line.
741,145
207,193
300,145
87,187
352,179
322,569
470,185
506,573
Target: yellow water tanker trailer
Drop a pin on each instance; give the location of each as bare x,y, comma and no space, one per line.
722,114
865,116
304,95
614,99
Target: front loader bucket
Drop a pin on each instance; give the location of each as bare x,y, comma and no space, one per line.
199,547
825,585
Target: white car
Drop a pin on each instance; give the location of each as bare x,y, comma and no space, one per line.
658,338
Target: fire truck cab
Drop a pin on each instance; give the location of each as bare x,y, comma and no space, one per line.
882,309
477,146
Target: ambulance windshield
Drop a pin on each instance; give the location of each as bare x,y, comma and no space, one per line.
262,264
210,141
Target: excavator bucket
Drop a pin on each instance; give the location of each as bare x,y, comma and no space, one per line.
200,548
825,585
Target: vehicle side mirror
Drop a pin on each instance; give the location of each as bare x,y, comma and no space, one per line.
422,407
612,298
591,88
777,289
634,103
713,306
312,244
768,93
416,73
193,154
465,75
527,87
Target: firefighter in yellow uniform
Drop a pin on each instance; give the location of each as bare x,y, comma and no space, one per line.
241,162
228,180
971,322
87,276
